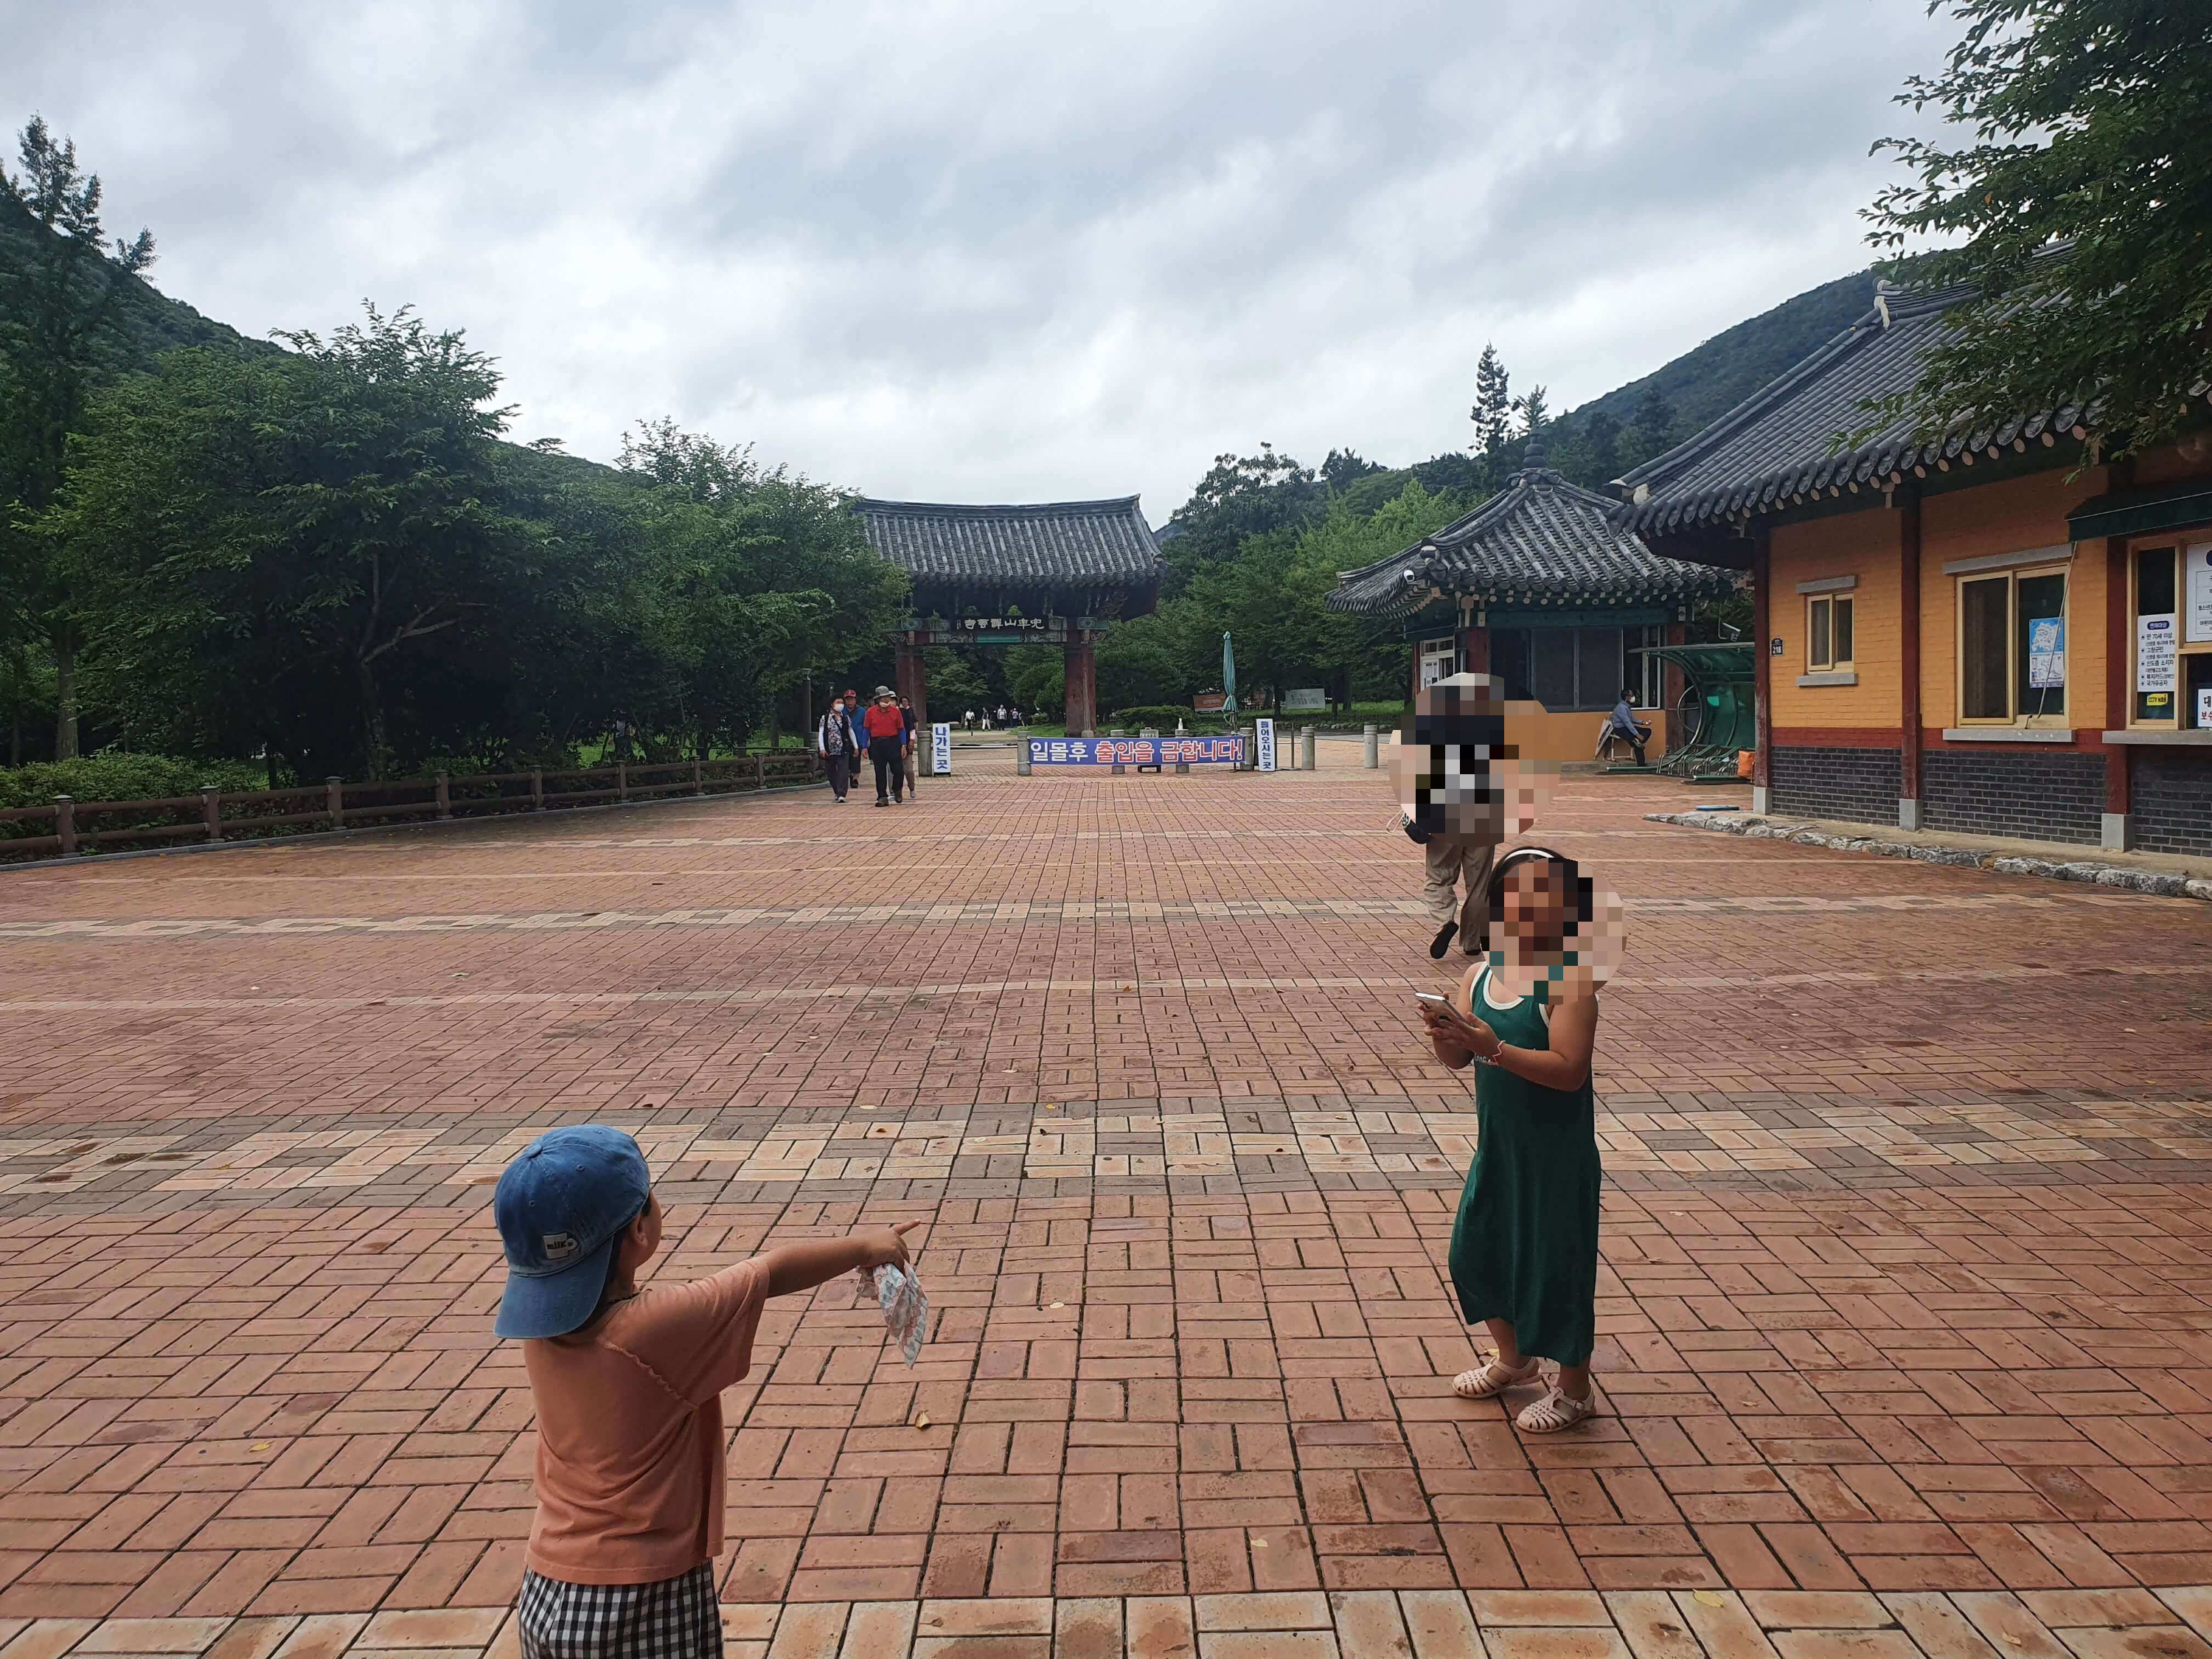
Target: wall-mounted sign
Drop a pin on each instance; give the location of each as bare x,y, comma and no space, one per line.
994,631
2154,652
940,750
1136,752
2198,564
1263,745
1774,646
2046,651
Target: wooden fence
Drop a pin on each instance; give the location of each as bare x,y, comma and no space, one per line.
68,829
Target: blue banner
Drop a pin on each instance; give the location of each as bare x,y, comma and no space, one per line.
1135,751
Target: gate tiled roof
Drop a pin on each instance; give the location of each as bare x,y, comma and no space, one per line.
1086,545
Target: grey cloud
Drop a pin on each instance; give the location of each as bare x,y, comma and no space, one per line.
978,249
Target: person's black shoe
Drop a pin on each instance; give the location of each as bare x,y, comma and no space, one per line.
1441,943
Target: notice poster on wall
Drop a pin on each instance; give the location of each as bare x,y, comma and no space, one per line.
940,750
2154,652
2198,565
1263,745
2046,651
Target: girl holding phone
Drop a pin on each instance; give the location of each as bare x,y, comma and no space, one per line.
1524,1248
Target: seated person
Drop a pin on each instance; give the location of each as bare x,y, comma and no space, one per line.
1623,724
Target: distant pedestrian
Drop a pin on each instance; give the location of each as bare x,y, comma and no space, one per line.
913,752
839,746
886,730
1002,713
968,721
631,1474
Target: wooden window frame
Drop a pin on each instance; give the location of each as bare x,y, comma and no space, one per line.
1834,664
2011,576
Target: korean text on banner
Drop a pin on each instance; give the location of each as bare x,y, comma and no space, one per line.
940,750
1135,751
1263,745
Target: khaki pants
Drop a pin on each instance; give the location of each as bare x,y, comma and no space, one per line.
1452,857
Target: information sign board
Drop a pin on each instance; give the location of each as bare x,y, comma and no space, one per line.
940,750
1263,745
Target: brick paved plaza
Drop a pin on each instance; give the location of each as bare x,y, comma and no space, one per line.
1905,1323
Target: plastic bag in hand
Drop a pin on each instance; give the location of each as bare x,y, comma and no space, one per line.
906,1310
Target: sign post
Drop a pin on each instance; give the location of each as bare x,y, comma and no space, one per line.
1264,745
940,750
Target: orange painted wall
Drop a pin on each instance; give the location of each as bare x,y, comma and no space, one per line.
1861,544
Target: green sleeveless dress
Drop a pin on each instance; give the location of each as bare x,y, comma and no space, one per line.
1524,1248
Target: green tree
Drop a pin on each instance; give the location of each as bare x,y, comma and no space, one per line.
281,545
53,309
771,574
1240,496
1651,429
2077,212
1492,413
1533,412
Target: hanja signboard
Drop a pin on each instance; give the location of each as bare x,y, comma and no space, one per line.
1136,752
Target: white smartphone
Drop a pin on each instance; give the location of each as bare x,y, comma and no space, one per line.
1432,997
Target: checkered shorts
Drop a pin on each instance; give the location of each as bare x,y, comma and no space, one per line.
672,1618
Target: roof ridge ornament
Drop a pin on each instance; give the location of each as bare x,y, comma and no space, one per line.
1884,291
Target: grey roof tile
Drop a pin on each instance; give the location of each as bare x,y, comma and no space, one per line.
1788,442
1049,544
1541,540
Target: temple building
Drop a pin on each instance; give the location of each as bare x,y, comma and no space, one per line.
1985,634
1051,574
1540,587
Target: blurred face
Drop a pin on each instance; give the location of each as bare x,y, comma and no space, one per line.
1533,906
1466,763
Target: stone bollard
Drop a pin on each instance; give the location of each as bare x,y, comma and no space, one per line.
622,780
211,810
1306,742
65,824
1373,748
1119,769
445,796
1021,759
537,789
334,799
1251,736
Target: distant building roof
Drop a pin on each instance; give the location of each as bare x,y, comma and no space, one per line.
1784,445
1089,549
1539,541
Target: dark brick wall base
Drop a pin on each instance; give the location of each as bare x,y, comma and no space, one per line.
1859,785
2170,800
2012,790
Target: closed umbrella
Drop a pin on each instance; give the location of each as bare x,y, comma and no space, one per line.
1228,676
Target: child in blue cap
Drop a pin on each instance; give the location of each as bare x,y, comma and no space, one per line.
627,1383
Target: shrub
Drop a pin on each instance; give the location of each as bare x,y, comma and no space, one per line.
113,776
1163,715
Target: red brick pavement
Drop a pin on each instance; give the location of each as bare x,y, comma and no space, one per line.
1903,1291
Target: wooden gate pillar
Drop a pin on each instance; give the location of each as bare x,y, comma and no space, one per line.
1082,698
913,677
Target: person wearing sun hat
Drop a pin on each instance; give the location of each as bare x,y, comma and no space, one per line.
631,1471
887,744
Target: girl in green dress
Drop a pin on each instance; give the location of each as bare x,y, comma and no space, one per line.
1524,1248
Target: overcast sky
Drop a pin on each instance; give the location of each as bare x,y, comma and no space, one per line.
999,250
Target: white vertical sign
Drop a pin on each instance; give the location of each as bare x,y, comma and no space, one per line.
940,750
1264,745
2198,564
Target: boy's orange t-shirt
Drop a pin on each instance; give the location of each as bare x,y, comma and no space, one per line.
631,1465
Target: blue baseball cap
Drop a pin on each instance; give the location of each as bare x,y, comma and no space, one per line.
561,1206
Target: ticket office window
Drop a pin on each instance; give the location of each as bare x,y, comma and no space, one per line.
1562,668
1828,631
2169,635
2012,648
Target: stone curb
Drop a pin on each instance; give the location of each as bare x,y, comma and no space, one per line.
1754,827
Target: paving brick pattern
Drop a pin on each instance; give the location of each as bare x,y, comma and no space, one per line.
1904,1330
